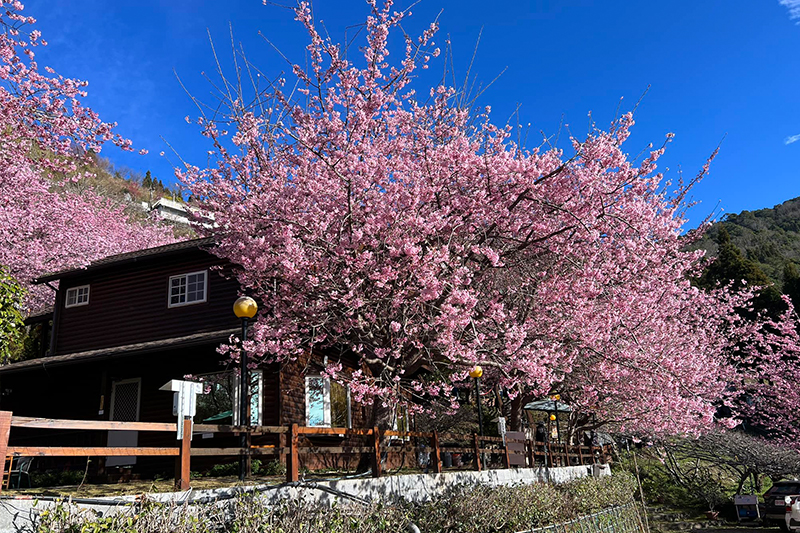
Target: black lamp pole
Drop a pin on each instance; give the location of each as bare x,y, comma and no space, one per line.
480,409
244,397
558,427
244,308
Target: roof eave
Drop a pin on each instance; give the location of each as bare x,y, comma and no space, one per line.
130,258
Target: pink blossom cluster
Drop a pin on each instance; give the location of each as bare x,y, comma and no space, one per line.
420,238
46,132
765,394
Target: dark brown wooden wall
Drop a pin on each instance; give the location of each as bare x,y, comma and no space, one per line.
74,392
128,304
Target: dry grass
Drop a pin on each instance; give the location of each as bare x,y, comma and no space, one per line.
99,490
137,487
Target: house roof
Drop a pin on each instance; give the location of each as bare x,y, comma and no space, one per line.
129,257
547,405
44,315
118,351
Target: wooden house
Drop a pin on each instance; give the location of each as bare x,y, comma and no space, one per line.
127,324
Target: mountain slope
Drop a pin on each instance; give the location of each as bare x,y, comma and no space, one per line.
769,237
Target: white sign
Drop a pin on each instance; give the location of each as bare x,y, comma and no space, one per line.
185,401
746,499
501,428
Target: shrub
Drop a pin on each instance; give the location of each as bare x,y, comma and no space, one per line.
52,478
223,470
273,468
463,510
590,495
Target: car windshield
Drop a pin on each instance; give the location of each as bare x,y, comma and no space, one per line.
785,489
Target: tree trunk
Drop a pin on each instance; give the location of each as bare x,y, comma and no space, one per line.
382,418
742,480
517,413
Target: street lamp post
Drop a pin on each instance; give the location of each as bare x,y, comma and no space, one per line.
244,308
558,427
476,373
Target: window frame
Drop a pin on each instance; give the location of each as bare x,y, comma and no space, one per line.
259,375
76,290
401,411
327,411
170,305
256,375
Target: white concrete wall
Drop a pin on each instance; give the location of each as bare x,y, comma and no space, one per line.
423,487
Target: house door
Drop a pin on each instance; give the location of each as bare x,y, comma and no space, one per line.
125,400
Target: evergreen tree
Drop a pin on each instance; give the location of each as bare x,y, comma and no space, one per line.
731,266
147,182
791,283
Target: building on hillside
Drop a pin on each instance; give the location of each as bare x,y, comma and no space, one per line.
127,324
169,210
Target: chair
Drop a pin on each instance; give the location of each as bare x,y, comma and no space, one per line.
23,468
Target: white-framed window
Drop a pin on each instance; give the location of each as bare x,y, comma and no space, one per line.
187,289
327,403
219,403
77,296
401,421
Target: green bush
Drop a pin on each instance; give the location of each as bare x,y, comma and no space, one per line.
657,485
595,494
52,478
483,508
223,470
273,468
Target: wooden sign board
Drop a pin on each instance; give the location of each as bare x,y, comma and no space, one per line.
518,458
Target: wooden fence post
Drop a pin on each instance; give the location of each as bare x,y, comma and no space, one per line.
549,458
282,444
477,452
5,431
248,459
182,480
293,467
580,454
437,454
376,460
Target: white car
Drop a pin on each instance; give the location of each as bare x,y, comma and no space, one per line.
792,513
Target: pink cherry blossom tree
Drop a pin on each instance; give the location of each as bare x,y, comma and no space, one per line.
46,134
393,224
767,396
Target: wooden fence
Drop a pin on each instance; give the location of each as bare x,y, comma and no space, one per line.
377,445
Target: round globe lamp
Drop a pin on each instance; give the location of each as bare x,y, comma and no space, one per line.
245,307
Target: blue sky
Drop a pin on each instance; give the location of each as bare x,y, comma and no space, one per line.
716,69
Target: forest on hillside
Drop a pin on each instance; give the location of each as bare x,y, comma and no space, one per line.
770,238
